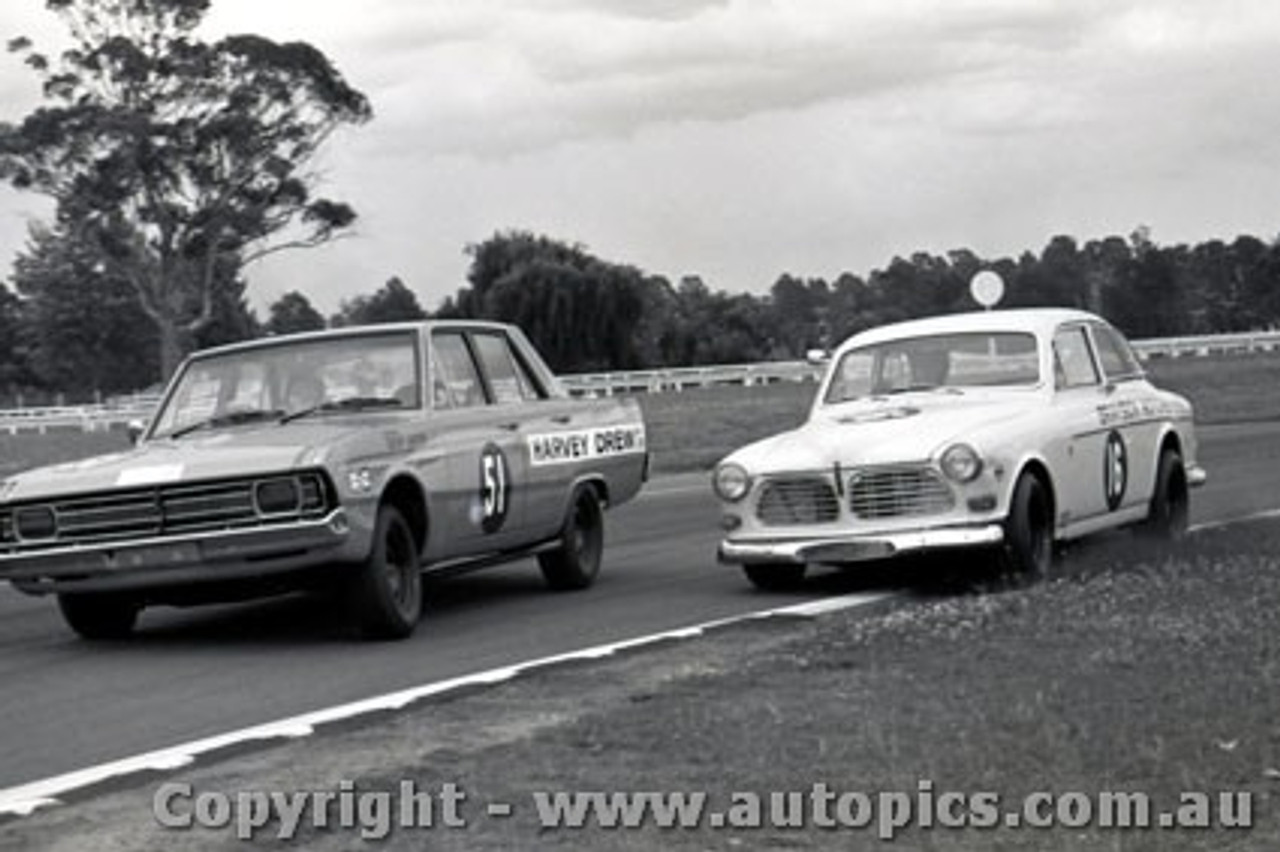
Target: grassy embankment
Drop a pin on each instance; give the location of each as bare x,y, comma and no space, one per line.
693,429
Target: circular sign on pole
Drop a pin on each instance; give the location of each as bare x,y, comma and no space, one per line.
987,288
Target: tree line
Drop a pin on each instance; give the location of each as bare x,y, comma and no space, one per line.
69,327
588,314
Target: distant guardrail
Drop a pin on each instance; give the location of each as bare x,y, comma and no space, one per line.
1208,344
87,418
95,417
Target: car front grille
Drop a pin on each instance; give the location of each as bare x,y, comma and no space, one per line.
802,500
894,492
161,511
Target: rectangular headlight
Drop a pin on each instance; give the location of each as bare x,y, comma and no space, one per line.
35,522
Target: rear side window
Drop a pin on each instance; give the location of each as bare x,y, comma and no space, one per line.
1118,361
455,382
508,377
1073,365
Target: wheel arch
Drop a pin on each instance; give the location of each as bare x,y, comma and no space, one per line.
1169,440
406,494
596,482
1036,466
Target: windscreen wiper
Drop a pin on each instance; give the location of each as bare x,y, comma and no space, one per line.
349,403
230,418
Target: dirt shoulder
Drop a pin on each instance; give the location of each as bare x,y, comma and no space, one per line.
1136,673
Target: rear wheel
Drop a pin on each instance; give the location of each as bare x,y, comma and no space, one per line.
575,561
1170,504
387,593
99,615
1028,531
775,577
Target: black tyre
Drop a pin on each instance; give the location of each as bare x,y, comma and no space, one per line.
98,615
1027,553
575,561
1170,503
387,594
775,577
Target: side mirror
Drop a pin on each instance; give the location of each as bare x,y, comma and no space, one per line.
817,357
134,429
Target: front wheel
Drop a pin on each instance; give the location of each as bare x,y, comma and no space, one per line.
779,577
575,561
99,615
387,593
1170,504
1028,531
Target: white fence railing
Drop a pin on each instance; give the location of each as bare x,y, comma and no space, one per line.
103,416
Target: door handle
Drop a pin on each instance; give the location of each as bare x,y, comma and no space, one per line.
562,418
509,427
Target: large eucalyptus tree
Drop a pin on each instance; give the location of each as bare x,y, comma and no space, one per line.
178,161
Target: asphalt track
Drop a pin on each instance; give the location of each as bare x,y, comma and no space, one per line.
66,704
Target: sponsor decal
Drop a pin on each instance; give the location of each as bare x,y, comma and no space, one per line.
150,475
1129,410
895,413
584,444
1115,470
87,464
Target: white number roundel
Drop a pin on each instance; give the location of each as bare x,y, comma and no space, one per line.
495,488
1115,470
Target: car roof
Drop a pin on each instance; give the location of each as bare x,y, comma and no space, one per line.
1038,321
352,331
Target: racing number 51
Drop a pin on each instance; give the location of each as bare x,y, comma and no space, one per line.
495,487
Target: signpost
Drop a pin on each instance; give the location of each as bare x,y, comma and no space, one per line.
987,288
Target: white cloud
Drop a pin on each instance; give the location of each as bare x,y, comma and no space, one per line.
743,138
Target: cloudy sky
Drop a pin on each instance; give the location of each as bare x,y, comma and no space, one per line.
740,139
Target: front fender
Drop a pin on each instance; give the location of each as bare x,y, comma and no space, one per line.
1014,468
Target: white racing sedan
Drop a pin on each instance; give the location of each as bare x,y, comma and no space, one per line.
1008,430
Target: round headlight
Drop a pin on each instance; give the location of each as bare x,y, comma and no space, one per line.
731,482
961,463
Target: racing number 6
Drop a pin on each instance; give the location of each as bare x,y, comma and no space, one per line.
1115,470
495,487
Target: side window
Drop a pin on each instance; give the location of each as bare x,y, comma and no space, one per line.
1072,363
1117,358
508,378
455,382
895,372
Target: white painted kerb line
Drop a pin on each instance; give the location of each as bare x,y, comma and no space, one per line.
1264,515
25,798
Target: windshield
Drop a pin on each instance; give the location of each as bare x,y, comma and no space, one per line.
970,359
285,380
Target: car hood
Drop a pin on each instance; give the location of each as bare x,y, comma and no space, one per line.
882,430
234,451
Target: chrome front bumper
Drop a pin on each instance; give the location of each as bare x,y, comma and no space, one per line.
856,548
171,560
